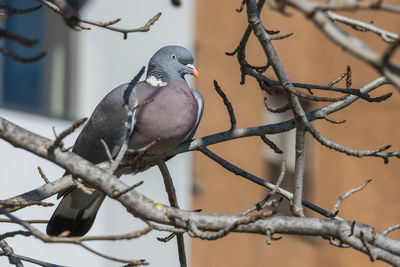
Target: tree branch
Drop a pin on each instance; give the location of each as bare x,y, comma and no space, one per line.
138,205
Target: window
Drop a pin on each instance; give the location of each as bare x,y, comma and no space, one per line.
46,86
22,84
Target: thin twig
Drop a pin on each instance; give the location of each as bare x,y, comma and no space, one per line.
17,38
43,192
275,110
386,36
288,195
264,203
391,229
127,236
166,239
20,58
75,21
335,208
271,144
169,187
326,117
63,134
142,149
15,233
2,220
240,9
125,32
337,80
76,240
43,175
270,236
37,262
118,194
107,149
5,204
349,80
17,11
227,104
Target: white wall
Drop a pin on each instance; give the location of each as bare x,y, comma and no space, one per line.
105,60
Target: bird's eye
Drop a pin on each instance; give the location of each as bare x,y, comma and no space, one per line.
173,56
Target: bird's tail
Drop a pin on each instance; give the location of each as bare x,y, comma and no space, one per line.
75,213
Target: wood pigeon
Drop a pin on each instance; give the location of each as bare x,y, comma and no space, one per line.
171,117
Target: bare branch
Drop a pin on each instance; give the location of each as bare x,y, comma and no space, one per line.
173,201
2,220
43,175
63,134
265,203
276,110
194,231
17,38
227,104
334,121
43,192
118,194
15,233
348,77
338,79
107,149
350,43
270,237
18,58
296,204
335,208
232,168
35,261
125,32
240,9
391,229
12,11
127,236
386,36
75,21
166,239
271,144
5,204
386,249
77,240
8,251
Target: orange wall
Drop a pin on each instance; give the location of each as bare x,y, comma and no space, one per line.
308,57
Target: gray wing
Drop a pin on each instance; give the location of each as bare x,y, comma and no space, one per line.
108,122
200,103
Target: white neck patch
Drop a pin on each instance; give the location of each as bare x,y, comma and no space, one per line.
153,81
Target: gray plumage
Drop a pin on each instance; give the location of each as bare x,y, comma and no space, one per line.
171,117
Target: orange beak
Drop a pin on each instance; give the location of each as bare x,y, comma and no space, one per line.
196,73
193,70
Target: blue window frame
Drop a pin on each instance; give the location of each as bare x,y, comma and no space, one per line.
23,82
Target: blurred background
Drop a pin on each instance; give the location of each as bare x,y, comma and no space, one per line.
80,68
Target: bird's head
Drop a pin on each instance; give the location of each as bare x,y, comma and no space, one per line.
172,62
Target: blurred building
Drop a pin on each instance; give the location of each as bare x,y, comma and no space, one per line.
309,57
81,67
